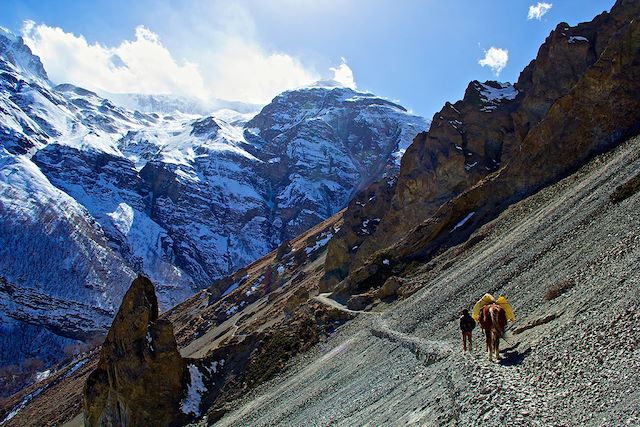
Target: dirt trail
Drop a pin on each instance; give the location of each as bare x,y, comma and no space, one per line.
495,381
324,299
457,375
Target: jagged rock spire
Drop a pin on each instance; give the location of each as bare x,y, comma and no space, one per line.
141,376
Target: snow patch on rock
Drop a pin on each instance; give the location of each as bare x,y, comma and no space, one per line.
191,402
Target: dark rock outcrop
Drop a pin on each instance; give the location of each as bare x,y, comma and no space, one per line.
390,288
466,141
359,302
360,221
140,377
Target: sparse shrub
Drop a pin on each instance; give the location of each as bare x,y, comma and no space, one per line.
33,364
559,288
626,190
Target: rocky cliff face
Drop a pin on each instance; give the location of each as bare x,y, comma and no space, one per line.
92,193
575,99
361,219
466,141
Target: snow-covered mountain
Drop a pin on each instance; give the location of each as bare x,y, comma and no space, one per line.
92,193
169,104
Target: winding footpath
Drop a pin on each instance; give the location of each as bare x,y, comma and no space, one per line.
505,388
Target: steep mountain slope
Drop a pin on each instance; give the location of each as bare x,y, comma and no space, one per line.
57,268
319,142
567,259
92,193
464,143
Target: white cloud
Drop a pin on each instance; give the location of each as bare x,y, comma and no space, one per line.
344,75
141,65
236,69
495,58
539,10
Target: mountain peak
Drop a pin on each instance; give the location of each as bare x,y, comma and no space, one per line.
14,49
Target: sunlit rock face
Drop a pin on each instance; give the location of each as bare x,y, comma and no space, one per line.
501,143
141,377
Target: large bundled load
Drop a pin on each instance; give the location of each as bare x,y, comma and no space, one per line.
489,299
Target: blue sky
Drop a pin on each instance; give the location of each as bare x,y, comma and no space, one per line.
418,52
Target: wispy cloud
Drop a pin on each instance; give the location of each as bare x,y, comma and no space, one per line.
495,58
242,70
237,68
539,10
343,74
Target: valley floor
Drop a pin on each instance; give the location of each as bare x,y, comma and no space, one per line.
568,260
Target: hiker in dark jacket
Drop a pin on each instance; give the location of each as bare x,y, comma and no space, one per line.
467,324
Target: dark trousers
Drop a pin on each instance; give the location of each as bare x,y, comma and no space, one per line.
466,336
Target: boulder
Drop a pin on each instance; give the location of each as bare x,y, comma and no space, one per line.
359,302
390,288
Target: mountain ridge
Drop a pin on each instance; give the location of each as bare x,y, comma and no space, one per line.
433,186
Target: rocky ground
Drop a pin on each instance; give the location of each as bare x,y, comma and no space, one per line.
567,260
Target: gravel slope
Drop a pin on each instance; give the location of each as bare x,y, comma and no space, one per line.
579,366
